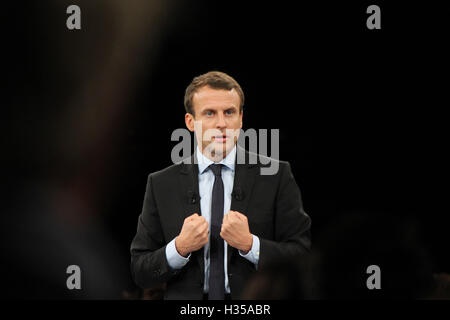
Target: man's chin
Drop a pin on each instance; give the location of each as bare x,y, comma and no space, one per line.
218,150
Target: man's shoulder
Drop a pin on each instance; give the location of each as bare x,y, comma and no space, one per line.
269,165
167,172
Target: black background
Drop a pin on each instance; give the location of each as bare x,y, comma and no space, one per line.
360,111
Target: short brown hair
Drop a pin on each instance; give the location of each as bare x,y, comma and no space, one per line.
213,79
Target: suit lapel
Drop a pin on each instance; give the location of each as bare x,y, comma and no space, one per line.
190,195
189,191
244,178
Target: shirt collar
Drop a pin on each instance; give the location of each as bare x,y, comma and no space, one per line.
204,162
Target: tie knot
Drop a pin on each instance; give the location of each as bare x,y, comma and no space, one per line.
216,169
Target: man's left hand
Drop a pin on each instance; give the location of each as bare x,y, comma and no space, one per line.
235,231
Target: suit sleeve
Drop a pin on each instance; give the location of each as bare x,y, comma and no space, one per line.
292,236
149,266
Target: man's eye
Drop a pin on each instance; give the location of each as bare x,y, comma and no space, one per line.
209,113
229,112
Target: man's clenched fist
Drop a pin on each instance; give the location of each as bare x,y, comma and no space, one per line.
235,231
193,236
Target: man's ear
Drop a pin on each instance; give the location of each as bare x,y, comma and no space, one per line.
189,120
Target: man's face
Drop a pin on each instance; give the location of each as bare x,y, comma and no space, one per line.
217,120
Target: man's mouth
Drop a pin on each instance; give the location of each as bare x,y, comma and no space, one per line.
222,138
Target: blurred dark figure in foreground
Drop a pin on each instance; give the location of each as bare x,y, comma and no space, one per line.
348,246
442,287
337,266
281,280
70,99
137,293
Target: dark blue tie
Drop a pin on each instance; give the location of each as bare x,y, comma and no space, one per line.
216,249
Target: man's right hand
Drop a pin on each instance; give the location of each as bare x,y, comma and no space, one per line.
193,236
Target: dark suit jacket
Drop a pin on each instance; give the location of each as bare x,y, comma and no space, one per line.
272,204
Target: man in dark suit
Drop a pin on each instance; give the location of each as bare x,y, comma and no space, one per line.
209,222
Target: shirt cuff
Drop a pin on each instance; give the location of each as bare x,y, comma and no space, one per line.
253,254
175,260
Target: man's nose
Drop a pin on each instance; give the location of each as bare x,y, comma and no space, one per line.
221,121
